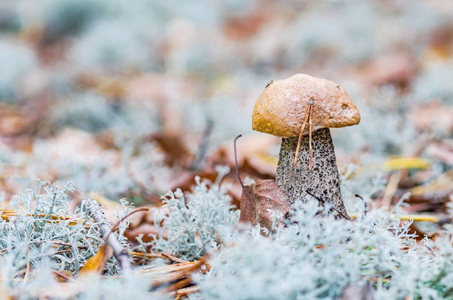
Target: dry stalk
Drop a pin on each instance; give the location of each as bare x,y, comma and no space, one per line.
178,285
307,116
185,291
181,275
172,258
122,256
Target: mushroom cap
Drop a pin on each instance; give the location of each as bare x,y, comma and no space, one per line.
281,109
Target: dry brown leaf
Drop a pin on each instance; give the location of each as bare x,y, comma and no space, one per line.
174,147
264,203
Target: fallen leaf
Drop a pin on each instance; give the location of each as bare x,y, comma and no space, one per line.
264,203
402,162
174,147
97,262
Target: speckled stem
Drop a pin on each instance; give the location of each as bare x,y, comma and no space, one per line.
322,181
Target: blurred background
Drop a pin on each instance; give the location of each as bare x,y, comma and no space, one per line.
132,98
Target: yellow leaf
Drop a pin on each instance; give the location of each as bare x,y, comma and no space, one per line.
413,217
94,264
401,162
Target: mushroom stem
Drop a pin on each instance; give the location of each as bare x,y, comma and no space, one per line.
323,179
310,129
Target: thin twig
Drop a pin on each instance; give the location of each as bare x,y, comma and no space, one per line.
143,255
301,134
167,268
62,251
390,189
365,206
178,285
127,216
193,267
310,129
95,211
324,201
172,258
185,291
63,275
197,265
237,169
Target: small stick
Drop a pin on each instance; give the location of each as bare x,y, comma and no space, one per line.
27,272
191,268
172,258
62,251
167,268
307,116
365,207
390,189
178,285
185,291
237,169
95,211
115,227
62,275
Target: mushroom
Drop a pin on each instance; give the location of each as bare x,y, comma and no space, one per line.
282,110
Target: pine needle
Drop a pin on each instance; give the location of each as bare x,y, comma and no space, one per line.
307,117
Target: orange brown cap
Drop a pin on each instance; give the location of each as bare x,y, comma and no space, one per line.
280,110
